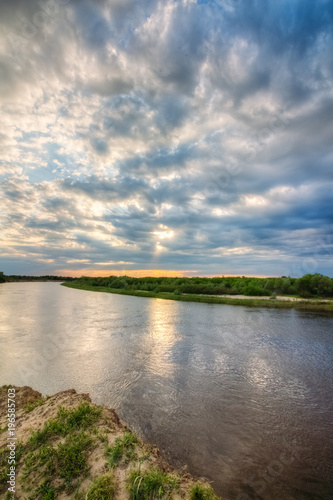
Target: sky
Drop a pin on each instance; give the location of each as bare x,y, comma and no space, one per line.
178,137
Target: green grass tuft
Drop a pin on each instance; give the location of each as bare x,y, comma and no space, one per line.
67,460
3,466
71,457
52,428
102,488
39,402
66,421
201,492
123,448
46,492
81,417
152,483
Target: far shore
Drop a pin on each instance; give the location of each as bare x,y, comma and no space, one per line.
279,302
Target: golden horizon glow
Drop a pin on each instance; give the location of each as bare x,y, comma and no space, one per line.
141,273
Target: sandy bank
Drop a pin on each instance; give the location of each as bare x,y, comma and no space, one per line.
68,447
278,297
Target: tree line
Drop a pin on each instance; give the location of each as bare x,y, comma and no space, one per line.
310,285
17,277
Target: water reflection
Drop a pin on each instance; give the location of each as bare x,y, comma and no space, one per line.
261,373
161,337
219,388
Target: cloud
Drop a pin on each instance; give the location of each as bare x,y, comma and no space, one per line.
208,121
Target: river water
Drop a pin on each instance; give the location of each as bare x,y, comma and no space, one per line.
242,396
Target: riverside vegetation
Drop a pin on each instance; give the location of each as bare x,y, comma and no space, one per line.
70,448
17,277
312,291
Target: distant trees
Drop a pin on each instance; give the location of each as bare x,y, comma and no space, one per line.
310,285
315,284
18,277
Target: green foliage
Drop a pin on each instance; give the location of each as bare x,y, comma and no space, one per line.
31,406
17,277
68,460
201,492
46,491
315,285
255,291
123,448
152,483
65,422
103,488
313,305
3,465
70,457
115,453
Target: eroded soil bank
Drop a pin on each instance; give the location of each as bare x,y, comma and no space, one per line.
68,447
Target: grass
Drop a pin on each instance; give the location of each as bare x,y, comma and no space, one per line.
47,491
81,417
317,305
201,492
66,421
102,488
150,484
70,457
39,402
67,460
123,448
3,465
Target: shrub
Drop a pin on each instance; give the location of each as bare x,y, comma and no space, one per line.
255,291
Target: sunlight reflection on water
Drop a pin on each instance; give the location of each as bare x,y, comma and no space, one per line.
222,389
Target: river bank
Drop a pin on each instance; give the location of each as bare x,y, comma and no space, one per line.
277,303
68,447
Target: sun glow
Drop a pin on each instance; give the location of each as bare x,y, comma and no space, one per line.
164,234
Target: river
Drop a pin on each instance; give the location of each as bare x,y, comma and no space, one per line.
243,396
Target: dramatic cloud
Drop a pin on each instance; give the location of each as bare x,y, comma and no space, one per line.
173,135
